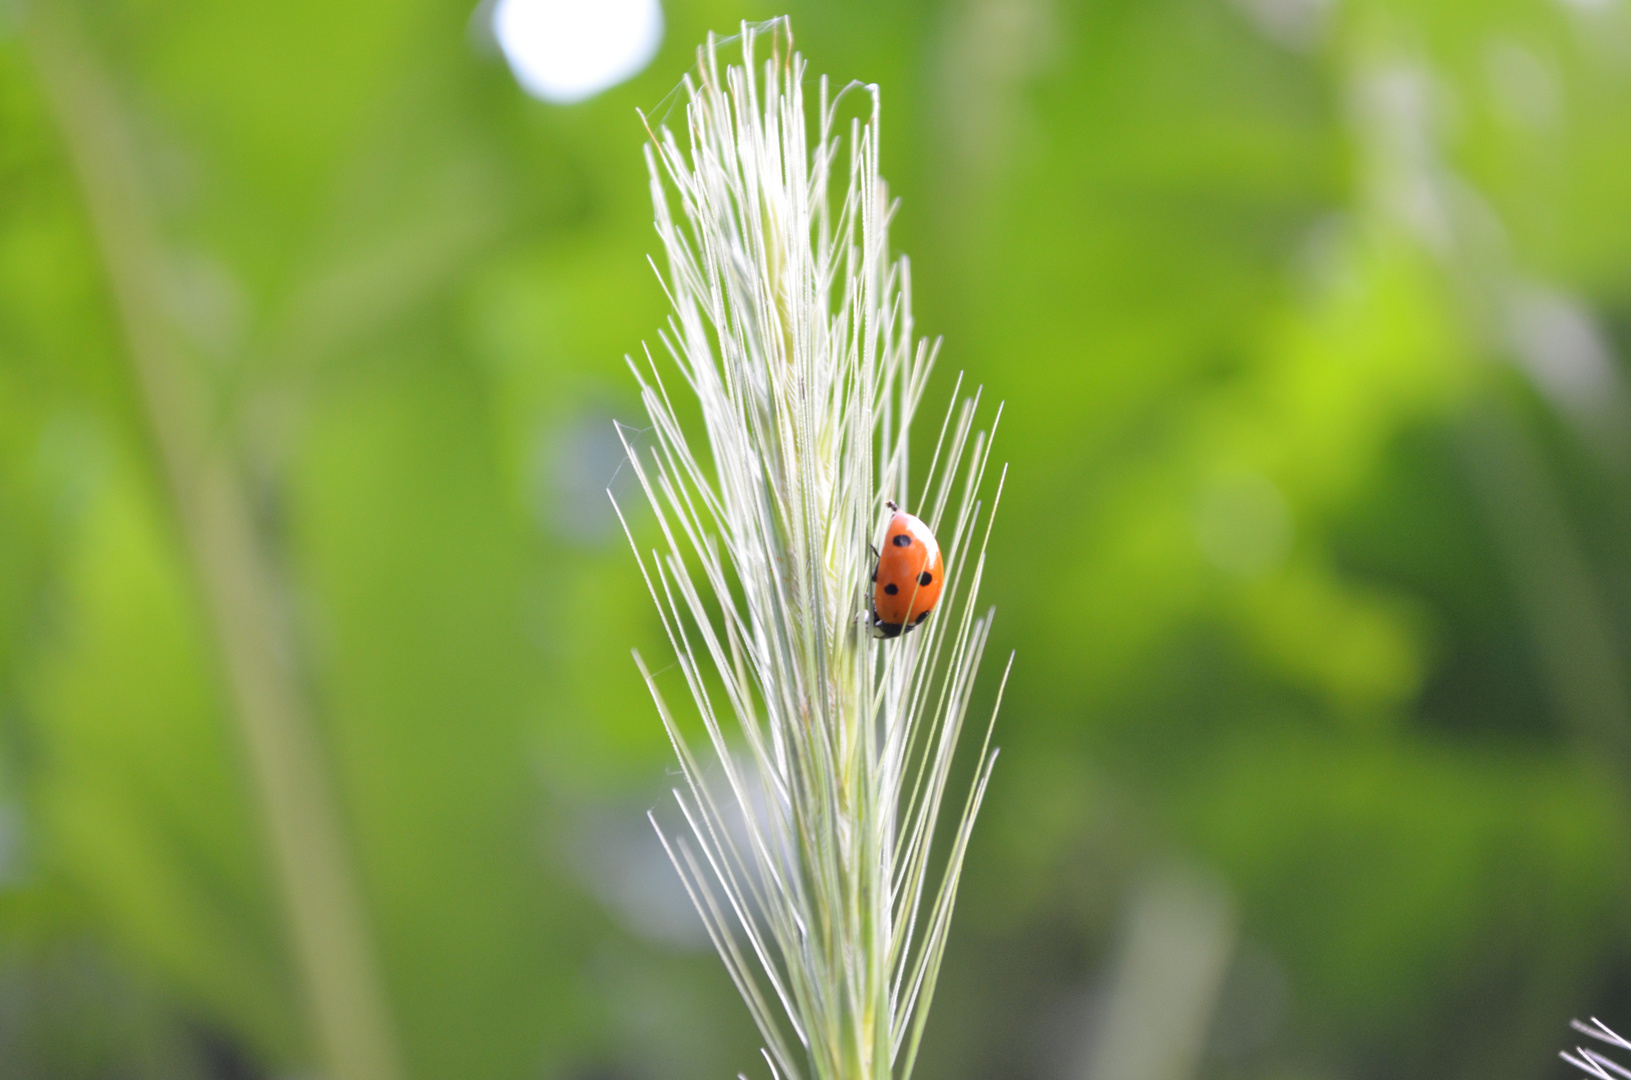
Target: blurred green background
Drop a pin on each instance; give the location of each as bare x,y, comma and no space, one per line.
1310,317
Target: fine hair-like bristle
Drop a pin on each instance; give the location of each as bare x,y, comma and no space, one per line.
813,801
1594,1062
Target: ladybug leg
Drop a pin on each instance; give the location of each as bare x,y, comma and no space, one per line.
875,558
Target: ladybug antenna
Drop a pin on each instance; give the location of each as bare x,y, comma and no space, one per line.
891,504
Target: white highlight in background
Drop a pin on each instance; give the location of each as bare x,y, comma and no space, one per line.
568,50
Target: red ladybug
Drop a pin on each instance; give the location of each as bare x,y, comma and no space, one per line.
908,578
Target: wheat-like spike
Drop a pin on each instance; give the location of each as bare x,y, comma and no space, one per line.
813,798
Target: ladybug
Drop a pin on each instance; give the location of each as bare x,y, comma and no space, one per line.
908,577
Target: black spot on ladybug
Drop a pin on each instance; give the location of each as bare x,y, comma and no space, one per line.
891,588
921,616
903,540
924,578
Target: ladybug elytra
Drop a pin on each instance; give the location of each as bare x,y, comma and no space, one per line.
908,578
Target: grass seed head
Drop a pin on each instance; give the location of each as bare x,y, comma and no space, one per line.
817,774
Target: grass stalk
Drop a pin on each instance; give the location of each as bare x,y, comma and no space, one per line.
321,898
820,758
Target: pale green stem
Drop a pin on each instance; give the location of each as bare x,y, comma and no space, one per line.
321,898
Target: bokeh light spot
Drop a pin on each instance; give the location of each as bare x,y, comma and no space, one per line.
566,50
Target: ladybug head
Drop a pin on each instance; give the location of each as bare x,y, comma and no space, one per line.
884,630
